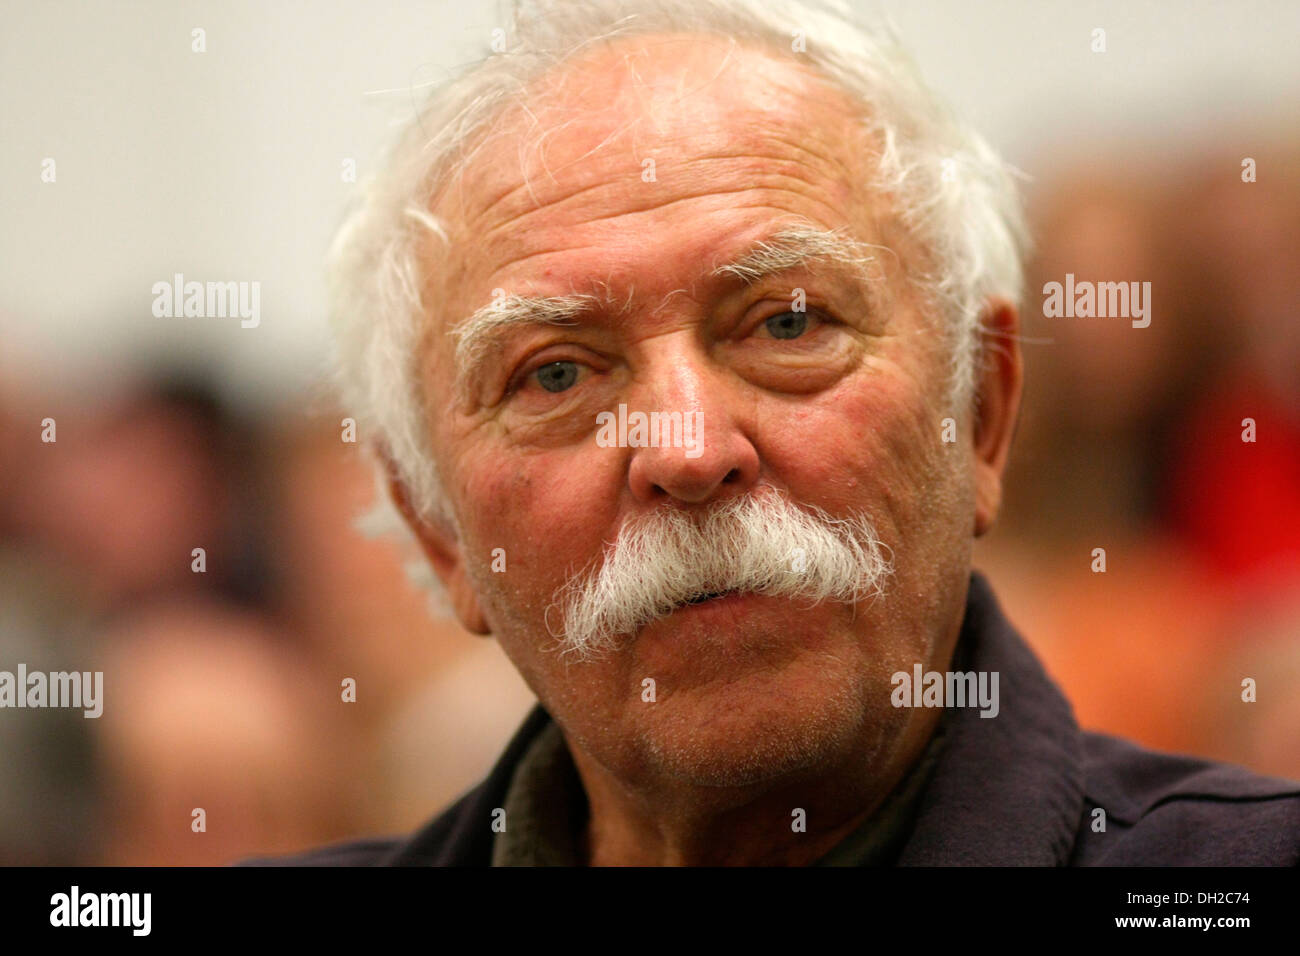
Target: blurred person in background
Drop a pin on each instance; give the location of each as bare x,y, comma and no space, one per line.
1103,400
203,690
433,703
1132,441
50,796
50,789
1235,503
131,486
216,738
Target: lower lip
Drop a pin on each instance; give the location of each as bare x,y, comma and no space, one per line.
732,613
740,623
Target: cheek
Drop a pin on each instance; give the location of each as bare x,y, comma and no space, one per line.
872,444
549,510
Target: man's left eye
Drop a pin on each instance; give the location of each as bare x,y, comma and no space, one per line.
787,325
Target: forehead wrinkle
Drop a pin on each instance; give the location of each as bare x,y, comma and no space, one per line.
537,146
808,149
793,173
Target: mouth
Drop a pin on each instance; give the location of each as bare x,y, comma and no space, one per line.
710,596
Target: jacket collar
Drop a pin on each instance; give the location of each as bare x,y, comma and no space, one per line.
1009,789
1006,791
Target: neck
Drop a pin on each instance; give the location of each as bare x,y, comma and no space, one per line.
789,822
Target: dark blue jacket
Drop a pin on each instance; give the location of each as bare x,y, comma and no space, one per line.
1019,789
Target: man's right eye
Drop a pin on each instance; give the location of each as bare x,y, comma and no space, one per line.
557,376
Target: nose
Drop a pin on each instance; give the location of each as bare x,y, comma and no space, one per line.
715,458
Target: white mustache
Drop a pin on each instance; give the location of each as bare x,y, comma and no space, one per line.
758,543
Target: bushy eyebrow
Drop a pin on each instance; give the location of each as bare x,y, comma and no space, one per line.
791,248
474,336
798,246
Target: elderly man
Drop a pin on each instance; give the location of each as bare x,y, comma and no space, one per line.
686,333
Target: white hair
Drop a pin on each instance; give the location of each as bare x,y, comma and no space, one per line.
952,193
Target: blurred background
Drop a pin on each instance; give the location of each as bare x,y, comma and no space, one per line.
223,688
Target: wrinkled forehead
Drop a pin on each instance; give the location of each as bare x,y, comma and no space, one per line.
674,112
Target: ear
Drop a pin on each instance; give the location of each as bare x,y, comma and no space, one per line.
1000,378
439,543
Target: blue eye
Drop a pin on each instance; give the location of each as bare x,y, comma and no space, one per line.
557,376
787,325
